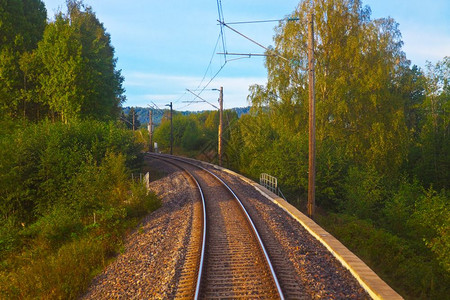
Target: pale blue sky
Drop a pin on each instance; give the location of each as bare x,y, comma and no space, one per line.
165,46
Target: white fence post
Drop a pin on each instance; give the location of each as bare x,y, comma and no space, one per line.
147,181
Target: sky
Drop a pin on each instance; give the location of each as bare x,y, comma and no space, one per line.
165,47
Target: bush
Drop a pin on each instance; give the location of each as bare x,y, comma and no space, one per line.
141,201
410,271
400,207
56,227
63,274
39,161
364,193
66,200
432,216
9,236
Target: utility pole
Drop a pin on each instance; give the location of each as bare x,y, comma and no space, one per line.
134,116
220,150
150,130
312,120
171,128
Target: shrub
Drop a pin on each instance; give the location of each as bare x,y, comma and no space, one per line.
55,227
432,216
141,201
63,274
364,193
66,200
410,271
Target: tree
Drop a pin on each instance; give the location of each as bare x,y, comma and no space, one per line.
22,23
78,77
433,140
128,119
358,61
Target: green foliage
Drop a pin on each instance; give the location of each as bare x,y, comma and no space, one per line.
128,119
141,201
66,199
47,164
64,69
412,272
62,274
432,216
193,134
331,164
358,62
22,25
401,206
364,193
46,158
78,77
9,235
431,151
55,227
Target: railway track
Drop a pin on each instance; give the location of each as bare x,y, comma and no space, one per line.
177,253
233,261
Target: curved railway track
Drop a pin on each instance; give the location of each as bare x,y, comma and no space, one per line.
233,262
163,258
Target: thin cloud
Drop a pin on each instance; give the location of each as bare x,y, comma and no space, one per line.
235,90
422,45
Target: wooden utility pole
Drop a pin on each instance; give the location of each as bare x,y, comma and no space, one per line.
220,147
312,121
150,130
134,116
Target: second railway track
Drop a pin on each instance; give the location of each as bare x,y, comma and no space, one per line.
235,263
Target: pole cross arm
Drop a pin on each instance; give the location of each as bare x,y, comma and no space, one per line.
203,100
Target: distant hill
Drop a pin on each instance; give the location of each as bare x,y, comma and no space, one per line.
142,113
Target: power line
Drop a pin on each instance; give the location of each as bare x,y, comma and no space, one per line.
249,54
178,100
222,20
203,100
260,45
215,75
246,37
255,42
156,105
263,21
210,61
220,37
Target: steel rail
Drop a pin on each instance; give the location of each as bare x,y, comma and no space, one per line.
255,231
202,254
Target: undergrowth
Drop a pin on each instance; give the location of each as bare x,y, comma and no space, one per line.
66,201
408,267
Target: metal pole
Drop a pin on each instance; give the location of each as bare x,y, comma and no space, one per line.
220,150
312,121
150,130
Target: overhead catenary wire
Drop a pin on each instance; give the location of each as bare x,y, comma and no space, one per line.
207,84
222,38
269,51
222,20
210,61
203,100
262,21
246,37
